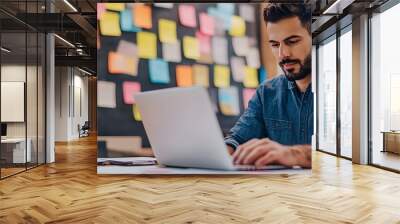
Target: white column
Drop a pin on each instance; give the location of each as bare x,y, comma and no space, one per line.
360,90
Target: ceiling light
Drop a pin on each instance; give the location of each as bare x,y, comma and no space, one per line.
5,50
65,41
84,71
70,5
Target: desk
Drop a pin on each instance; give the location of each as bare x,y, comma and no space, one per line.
391,141
155,169
16,147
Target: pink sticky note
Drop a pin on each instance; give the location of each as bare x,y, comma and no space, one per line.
247,95
101,9
205,43
187,15
206,24
129,89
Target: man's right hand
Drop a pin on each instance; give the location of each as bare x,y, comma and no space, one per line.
230,149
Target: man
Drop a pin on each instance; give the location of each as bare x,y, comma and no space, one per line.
277,126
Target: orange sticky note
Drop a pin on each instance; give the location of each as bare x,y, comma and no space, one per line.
142,16
147,45
122,64
221,76
200,75
187,15
184,76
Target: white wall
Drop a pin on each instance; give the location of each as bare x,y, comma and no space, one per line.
71,93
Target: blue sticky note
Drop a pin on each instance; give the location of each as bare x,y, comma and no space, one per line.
222,15
159,71
229,100
226,8
127,22
263,74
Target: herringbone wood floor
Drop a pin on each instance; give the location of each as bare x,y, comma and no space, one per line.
70,191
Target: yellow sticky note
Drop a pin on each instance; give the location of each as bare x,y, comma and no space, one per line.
191,48
109,24
238,27
167,31
250,77
221,76
115,6
147,45
201,75
136,113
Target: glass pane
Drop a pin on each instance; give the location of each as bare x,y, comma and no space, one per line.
385,86
327,96
41,99
31,98
346,94
13,87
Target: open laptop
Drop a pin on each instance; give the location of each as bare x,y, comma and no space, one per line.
183,129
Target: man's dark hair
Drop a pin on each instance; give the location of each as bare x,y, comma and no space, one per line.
275,12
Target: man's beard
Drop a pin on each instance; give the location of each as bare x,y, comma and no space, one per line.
305,69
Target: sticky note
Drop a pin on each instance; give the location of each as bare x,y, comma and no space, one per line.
220,50
250,77
136,113
224,17
238,27
122,64
219,26
129,89
240,45
191,48
184,76
167,31
172,51
159,71
127,48
221,76
237,65
263,74
206,24
229,101
109,24
164,5
247,95
127,22
101,9
247,12
187,15
142,16
253,58
204,43
201,75
147,45
115,6
226,8
106,94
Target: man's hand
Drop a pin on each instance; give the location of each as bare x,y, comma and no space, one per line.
261,152
230,149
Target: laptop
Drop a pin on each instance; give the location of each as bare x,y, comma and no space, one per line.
183,129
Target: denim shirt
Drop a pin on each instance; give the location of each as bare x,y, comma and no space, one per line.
278,111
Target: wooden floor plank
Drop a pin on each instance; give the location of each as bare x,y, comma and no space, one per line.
70,191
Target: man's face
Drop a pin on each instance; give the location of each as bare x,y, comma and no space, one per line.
291,44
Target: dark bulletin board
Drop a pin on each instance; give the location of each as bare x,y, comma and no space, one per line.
119,121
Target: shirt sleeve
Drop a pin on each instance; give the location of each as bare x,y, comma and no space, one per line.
250,125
